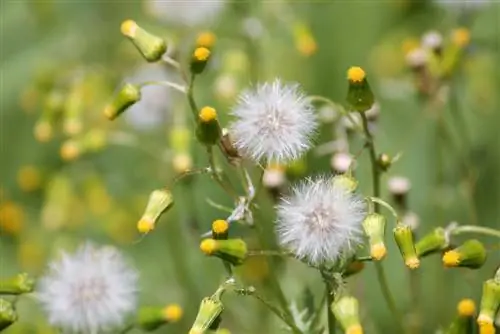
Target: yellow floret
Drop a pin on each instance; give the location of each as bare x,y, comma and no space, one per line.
461,37
207,114
356,74
412,263
220,226
208,246
201,54
173,312
378,251
451,259
145,225
206,39
128,28
466,307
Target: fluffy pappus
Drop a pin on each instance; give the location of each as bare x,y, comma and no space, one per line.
321,220
275,122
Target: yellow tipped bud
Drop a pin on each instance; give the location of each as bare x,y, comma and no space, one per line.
209,315
173,312
233,251
471,254
150,46
128,95
490,302
487,328
206,39
466,308
70,150
8,314
461,37
182,162
199,59
356,74
374,227
207,114
346,310
404,239
159,202
43,131
220,229
378,251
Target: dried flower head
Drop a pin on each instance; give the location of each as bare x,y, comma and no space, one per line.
321,220
90,291
274,122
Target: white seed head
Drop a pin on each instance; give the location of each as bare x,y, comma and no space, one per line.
417,57
432,40
399,185
321,220
90,291
341,162
190,13
275,122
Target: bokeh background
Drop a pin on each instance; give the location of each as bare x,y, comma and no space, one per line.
72,51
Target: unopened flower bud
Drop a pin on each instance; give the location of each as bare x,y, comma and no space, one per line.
384,161
359,95
70,150
220,229
464,322
374,227
126,96
487,328
490,302
346,181
7,314
17,285
353,268
435,241
206,39
151,318
471,254
150,46
199,60
233,251
404,239
341,162
208,316
159,202
346,310
208,130
92,141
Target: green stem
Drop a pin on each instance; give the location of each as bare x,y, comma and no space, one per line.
476,229
384,286
268,253
173,85
329,296
216,176
386,205
190,97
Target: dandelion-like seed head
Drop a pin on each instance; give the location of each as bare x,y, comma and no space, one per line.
274,121
321,220
90,291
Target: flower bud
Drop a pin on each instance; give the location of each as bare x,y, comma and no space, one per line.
464,322
374,227
346,311
471,254
7,314
208,130
159,202
126,96
233,251
341,162
353,268
490,302
199,60
404,239
208,315
384,161
150,46
359,95
151,318
206,39
487,328
220,229
17,285
346,181
433,242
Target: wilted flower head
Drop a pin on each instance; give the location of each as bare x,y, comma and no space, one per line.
90,291
187,12
274,121
321,220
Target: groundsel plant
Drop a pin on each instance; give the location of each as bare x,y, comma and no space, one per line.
324,221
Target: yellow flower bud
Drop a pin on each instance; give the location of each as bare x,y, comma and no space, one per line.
470,254
199,60
159,202
359,95
208,130
126,96
490,302
150,46
461,37
435,241
404,239
374,227
233,251
208,315
206,39
11,218
220,229
346,310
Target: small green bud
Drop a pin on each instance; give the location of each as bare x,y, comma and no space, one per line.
159,202
490,302
464,322
128,95
150,318
233,251
404,239
374,227
435,241
208,316
471,254
199,60
346,311
7,314
150,46
359,95
384,161
346,181
17,285
208,130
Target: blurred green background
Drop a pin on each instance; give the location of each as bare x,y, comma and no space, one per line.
49,203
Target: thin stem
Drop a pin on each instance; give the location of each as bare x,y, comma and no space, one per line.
169,84
216,175
190,97
386,205
384,286
475,229
329,291
339,108
268,253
